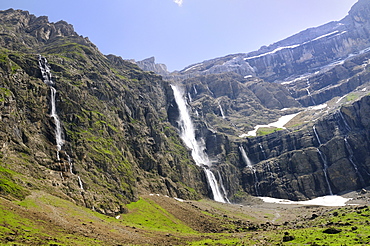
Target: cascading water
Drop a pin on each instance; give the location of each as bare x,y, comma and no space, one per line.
308,91
195,90
187,134
58,129
80,183
221,111
248,162
316,134
323,159
263,151
46,75
325,169
348,128
222,186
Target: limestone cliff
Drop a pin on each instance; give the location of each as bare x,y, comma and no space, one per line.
150,65
293,164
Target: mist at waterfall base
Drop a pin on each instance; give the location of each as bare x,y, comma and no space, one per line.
187,134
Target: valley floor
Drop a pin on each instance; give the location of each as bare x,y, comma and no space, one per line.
43,219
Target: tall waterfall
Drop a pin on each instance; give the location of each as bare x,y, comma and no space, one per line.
46,75
248,162
323,159
187,134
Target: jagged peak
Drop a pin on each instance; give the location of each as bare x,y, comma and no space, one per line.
149,64
39,27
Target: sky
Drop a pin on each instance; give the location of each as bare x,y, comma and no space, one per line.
179,33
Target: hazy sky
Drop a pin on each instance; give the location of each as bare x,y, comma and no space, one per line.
182,32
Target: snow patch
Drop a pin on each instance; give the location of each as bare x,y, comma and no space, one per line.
296,45
178,199
192,67
317,107
278,124
340,99
332,201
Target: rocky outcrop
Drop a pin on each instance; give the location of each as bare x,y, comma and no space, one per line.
294,164
150,65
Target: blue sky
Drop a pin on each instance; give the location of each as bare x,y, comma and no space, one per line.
183,32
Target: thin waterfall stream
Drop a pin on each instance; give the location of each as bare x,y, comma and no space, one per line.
248,162
187,134
46,75
323,159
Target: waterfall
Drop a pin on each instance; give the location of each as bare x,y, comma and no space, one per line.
195,90
46,75
308,91
58,129
221,111
350,158
45,70
317,135
248,162
348,128
80,182
187,134
325,169
222,186
189,96
323,159
263,151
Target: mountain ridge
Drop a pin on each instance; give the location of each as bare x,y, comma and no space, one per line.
306,58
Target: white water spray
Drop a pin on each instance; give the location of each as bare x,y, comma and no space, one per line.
187,134
222,186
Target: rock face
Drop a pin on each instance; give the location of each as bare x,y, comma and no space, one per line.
150,65
292,164
117,141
